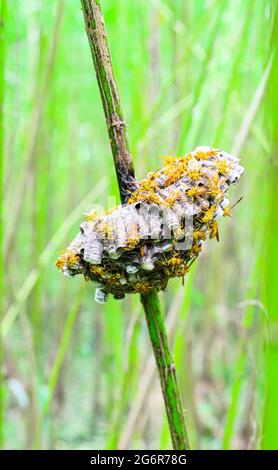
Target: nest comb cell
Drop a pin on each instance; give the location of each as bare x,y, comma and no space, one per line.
157,235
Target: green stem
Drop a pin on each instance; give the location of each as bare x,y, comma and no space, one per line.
167,370
95,28
116,127
270,272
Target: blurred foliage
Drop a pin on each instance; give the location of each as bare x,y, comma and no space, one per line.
79,375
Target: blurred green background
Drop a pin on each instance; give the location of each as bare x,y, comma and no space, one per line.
77,375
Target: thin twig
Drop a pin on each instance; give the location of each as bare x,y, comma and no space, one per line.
167,370
95,29
147,377
116,127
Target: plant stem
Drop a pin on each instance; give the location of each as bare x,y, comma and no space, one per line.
95,28
167,370
116,127
269,439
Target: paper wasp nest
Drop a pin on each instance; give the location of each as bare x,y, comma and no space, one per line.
157,235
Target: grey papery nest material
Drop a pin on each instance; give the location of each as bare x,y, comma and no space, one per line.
157,235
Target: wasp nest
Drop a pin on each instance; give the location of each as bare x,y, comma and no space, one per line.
157,235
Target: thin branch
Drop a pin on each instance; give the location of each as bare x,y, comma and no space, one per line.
167,370
147,377
95,29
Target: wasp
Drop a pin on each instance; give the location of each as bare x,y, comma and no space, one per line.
213,186
173,197
142,287
67,259
90,216
98,270
223,167
209,215
214,230
227,210
196,191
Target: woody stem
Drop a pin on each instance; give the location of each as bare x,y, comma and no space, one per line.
166,369
95,28
116,126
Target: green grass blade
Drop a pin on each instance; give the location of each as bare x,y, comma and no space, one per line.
270,273
45,258
2,264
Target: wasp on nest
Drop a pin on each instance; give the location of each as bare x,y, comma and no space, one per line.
157,235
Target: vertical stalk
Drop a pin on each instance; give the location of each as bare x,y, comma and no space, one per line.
270,273
166,369
95,28
116,126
